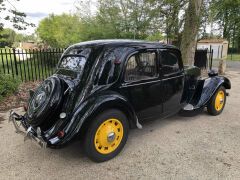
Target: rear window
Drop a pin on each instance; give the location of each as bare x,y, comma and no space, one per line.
75,59
75,63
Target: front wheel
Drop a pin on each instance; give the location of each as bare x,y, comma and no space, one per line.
217,102
106,135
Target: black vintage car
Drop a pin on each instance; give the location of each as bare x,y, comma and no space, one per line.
101,89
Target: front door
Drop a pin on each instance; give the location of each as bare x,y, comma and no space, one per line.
172,75
142,84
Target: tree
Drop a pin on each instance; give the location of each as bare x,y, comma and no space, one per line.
134,19
226,13
155,37
14,16
120,19
206,21
60,30
190,32
7,37
169,14
25,38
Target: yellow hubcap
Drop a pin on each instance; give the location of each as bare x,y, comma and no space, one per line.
108,136
219,101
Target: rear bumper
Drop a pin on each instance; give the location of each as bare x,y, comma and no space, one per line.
27,131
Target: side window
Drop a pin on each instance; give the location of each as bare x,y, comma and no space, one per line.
169,62
109,71
141,66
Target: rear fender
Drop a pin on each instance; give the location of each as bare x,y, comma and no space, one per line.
207,89
93,106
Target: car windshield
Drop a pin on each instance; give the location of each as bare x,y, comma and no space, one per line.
75,59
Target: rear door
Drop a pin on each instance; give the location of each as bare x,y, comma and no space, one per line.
172,76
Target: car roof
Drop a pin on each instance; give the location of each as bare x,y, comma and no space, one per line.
124,42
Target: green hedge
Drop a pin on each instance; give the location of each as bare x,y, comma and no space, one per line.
8,85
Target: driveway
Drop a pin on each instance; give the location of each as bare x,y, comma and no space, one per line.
200,147
231,65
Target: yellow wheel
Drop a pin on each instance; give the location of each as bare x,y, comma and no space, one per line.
106,135
217,102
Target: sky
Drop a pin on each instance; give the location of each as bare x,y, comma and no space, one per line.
39,9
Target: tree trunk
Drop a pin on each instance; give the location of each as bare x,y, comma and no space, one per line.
225,26
190,32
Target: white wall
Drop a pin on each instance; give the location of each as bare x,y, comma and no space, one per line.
216,47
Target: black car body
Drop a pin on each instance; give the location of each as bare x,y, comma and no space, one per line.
143,80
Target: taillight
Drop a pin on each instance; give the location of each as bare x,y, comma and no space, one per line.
25,107
60,134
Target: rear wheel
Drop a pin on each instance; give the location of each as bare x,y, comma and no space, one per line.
217,102
106,135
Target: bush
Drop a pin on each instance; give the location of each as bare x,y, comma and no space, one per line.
8,85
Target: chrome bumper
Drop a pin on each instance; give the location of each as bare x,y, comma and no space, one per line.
28,132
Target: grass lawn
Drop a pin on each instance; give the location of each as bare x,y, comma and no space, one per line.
235,57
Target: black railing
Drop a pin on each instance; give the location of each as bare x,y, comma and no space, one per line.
38,64
203,58
29,65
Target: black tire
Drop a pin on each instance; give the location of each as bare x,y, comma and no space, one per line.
44,103
211,108
89,139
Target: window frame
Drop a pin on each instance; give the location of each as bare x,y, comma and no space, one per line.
142,80
99,64
179,58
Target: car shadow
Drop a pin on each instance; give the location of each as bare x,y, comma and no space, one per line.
73,151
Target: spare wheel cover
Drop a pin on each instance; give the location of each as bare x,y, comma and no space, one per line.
45,101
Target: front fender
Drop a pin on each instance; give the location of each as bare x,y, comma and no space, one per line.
210,86
94,105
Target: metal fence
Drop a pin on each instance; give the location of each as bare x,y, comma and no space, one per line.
29,65
203,59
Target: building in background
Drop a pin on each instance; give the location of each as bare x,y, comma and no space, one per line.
219,47
28,45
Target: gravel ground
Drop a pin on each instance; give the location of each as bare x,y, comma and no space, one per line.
200,147
231,65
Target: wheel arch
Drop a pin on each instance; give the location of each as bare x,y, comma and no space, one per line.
211,85
226,83
89,109
123,107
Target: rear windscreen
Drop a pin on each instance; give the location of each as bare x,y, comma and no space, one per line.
75,59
